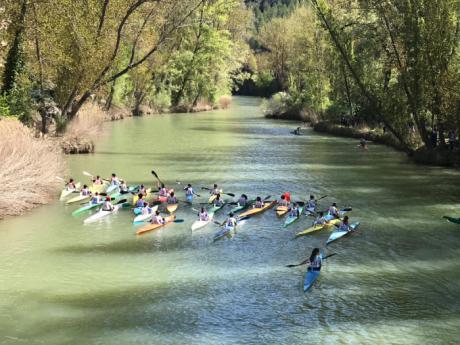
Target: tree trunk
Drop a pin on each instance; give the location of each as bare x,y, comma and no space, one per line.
108,104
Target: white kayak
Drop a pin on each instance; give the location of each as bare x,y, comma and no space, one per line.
202,223
329,217
112,189
78,198
101,214
339,234
67,192
145,217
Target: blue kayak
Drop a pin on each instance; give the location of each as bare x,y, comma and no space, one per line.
310,279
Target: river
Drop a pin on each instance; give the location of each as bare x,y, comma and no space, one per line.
395,281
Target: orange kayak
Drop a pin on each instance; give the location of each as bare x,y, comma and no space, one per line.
253,211
151,227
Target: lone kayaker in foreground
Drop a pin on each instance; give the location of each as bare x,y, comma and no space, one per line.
314,262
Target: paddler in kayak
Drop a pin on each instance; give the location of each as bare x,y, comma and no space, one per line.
283,201
333,211
217,201
107,205
242,201
157,219
140,202
189,192
312,203
123,187
114,181
215,190
142,190
71,185
85,191
363,144
203,215
231,222
345,225
162,191
294,211
98,181
320,220
171,199
259,203
146,209
96,199
315,260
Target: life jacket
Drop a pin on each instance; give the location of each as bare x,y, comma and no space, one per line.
140,203
189,191
295,212
311,204
85,192
107,206
333,211
259,204
163,192
123,187
172,200
287,196
158,220
344,227
315,265
98,182
283,202
215,191
204,216
96,200
242,201
71,186
218,203
115,181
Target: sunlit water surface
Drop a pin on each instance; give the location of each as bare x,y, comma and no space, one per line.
396,281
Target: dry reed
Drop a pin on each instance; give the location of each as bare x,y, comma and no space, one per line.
28,169
224,102
88,122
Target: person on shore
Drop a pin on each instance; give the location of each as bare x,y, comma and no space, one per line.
242,201
114,180
171,199
344,225
140,202
85,191
189,192
283,201
98,181
294,211
157,219
107,205
333,211
218,201
97,199
203,215
71,185
259,203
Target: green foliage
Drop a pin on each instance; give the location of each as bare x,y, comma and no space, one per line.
4,106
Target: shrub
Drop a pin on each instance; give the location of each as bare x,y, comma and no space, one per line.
28,170
224,102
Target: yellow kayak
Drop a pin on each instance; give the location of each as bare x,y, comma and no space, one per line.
254,211
281,210
151,227
171,208
213,197
99,188
67,192
318,227
146,197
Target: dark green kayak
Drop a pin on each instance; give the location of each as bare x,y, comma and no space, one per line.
452,219
238,208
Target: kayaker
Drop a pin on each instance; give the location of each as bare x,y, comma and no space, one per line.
85,191
203,215
146,209
189,192
363,144
287,196
123,187
311,204
243,200
157,219
259,203
231,221
162,191
71,185
344,225
140,202
98,181
333,211
217,201
315,261
96,199
107,206
142,190
320,220
294,212
172,199
215,190
114,180
283,201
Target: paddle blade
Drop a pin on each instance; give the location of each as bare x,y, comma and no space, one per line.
328,256
122,201
205,188
324,196
267,197
178,221
291,266
346,209
87,174
230,194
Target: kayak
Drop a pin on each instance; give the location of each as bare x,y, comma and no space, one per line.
172,207
136,197
339,234
281,210
145,217
67,192
212,198
225,232
452,219
151,227
202,223
310,279
78,198
239,207
254,211
318,227
292,219
112,188
101,214
310,211
329,217
214,209
86,208
98,188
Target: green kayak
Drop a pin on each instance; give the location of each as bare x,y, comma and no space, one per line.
241,208
452,219
290,219
86,208
214,209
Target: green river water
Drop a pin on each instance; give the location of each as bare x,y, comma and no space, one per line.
396,281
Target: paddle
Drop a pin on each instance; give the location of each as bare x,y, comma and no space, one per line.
229,194
223,223
306,260
178,221
156,175
92,176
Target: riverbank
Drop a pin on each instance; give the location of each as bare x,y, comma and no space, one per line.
437,157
